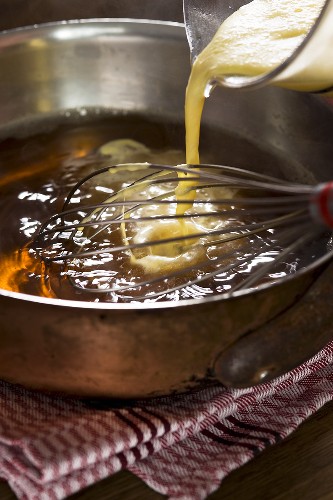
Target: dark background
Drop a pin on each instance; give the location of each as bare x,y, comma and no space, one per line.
16,13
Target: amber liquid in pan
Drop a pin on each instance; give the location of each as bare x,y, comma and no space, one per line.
37,172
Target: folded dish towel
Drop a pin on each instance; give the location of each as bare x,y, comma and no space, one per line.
182,446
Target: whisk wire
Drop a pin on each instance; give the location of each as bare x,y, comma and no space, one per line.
260,212
243,231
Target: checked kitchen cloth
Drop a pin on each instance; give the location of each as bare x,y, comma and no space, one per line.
182,446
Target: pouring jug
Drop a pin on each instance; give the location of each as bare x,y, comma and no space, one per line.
309,68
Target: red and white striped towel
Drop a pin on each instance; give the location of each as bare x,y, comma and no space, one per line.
182,446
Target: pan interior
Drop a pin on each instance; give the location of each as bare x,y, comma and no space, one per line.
51,127
42,159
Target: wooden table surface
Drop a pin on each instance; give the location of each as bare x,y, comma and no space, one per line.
301,467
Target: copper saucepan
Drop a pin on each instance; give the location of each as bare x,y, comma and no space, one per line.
127,351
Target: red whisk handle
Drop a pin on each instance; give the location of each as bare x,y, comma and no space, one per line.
322,204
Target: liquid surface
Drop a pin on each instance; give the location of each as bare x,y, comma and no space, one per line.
252,41
38,173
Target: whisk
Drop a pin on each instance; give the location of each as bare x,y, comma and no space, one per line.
176,232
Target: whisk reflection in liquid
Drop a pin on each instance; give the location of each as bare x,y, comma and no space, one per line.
243,229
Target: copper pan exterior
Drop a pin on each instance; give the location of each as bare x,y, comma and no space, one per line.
96,350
